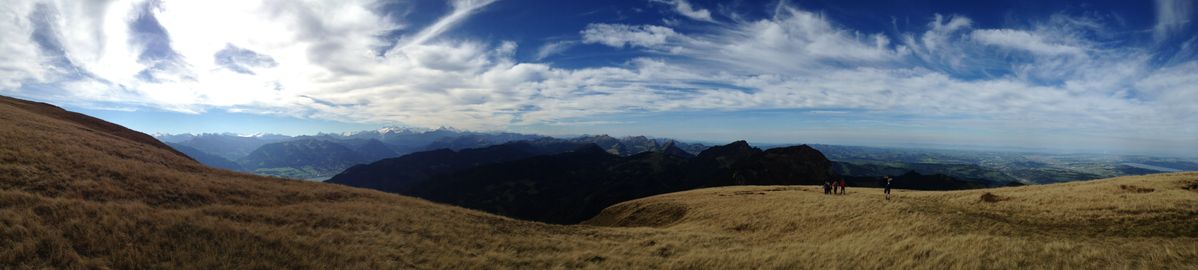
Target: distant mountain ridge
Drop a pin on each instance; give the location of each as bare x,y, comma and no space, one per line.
227,145
206,158
400,174
569,181
631,145
369,146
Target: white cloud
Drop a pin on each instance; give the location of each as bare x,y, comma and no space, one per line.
20,59
933,45
1171,16
553,48
684,8
1174,89
795,40
939,30
621,35
1024,40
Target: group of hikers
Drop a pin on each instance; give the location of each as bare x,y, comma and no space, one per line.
836,186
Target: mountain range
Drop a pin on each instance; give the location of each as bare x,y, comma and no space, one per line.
567,182
225,145
206,158
320,156
401,173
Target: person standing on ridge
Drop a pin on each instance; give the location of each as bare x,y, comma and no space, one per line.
887,187
842,186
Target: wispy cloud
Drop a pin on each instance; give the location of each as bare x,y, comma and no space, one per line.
621,35
242,60
1024,40
1171,16
684,8
552,48
462,9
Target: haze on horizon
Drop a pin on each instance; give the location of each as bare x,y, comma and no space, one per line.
1071,75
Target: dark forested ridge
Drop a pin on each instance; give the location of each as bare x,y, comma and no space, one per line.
567,183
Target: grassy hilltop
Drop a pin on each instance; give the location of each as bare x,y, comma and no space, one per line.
1140,222
77,192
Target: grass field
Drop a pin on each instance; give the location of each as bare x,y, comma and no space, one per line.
79,193
1131,222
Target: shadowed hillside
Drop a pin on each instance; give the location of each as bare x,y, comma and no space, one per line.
535,181
401,173
76,192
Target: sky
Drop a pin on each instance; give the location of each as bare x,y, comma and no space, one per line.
1097,76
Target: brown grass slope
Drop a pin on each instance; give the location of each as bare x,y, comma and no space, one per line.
76,194
101,127
1148,222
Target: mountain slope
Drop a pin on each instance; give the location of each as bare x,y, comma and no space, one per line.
97,126
88,194
571,187
373,150
206,158
400,174
74,197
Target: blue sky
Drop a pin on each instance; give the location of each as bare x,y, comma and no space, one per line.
1099,76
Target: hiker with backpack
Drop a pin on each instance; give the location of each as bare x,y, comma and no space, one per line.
842,184
827,187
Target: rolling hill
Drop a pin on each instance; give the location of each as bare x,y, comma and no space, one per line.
77,192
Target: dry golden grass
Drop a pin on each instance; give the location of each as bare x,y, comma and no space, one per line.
77,195
1130,222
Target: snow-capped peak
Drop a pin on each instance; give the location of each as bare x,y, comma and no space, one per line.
450,129
256,135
